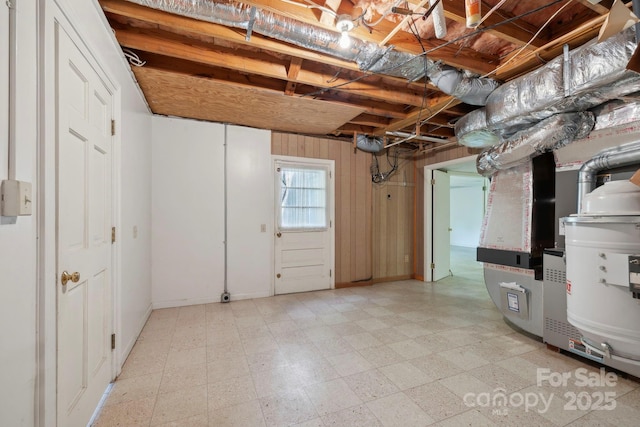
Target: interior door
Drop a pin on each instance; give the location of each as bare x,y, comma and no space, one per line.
304,227
441,225
84,112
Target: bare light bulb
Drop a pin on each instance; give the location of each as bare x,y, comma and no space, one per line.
345,40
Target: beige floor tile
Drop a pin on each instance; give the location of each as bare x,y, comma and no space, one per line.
320,333
398,410
230,367
138,366
134,413
230,392
248,414
333,318
362,340
183,377
349,328
196,421
498,377
405,375
381,356
410,349
357,416
276,381
260,344
471,418
180,404
349,363
331,396
464,357
287,409
181,358
266,361
372,324
436,400
313,371
370,385
436,366
134,388
465,383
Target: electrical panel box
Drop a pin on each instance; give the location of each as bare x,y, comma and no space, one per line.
15,198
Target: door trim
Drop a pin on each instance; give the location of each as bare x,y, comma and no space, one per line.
427,240
52,15
332,208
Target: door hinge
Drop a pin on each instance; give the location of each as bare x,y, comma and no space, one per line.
113,127
433,266
433,181
113,235
330,273
113,341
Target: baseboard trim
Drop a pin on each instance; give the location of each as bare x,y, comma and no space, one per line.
391,279
354,284
122,357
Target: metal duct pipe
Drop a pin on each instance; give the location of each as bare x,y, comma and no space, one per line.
471,90
624,155
547,135
369,144
369,56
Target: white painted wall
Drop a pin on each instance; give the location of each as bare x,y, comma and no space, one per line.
250,204
20,256
467,210
188,212
18,235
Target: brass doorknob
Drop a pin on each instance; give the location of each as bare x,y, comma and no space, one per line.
279,234
278,275
65,277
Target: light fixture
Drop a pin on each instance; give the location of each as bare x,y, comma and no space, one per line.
344,24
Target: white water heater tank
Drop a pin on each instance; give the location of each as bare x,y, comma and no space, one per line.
599,243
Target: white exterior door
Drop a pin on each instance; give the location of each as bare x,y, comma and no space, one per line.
437,226
304,226
84,201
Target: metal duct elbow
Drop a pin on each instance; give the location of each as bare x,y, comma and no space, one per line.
369,144
624,155
470,90
548,135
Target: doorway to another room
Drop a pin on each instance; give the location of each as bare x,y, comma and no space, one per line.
455,204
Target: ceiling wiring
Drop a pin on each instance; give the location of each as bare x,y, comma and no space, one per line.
514,56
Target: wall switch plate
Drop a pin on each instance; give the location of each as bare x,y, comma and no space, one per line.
15,198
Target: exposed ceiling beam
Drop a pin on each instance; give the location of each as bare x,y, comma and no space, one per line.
518,32
292,75
602,7
260,64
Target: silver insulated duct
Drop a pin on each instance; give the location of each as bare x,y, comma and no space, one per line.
547,135
368,56
624,155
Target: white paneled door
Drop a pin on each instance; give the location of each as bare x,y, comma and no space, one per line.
304,226
441,225
84,201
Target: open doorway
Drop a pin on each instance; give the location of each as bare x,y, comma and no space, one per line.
467,196
460,214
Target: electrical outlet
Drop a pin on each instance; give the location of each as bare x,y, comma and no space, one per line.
406,258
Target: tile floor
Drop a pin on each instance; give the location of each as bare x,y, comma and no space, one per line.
398,354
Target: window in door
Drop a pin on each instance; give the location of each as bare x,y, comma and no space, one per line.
303,199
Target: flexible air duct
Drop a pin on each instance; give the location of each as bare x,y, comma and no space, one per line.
369,56
369,144
548,135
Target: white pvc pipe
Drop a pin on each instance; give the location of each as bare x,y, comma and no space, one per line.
13,49
439,22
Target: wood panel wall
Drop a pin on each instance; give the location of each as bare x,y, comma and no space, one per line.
393,223
353,210
419,164
379,227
